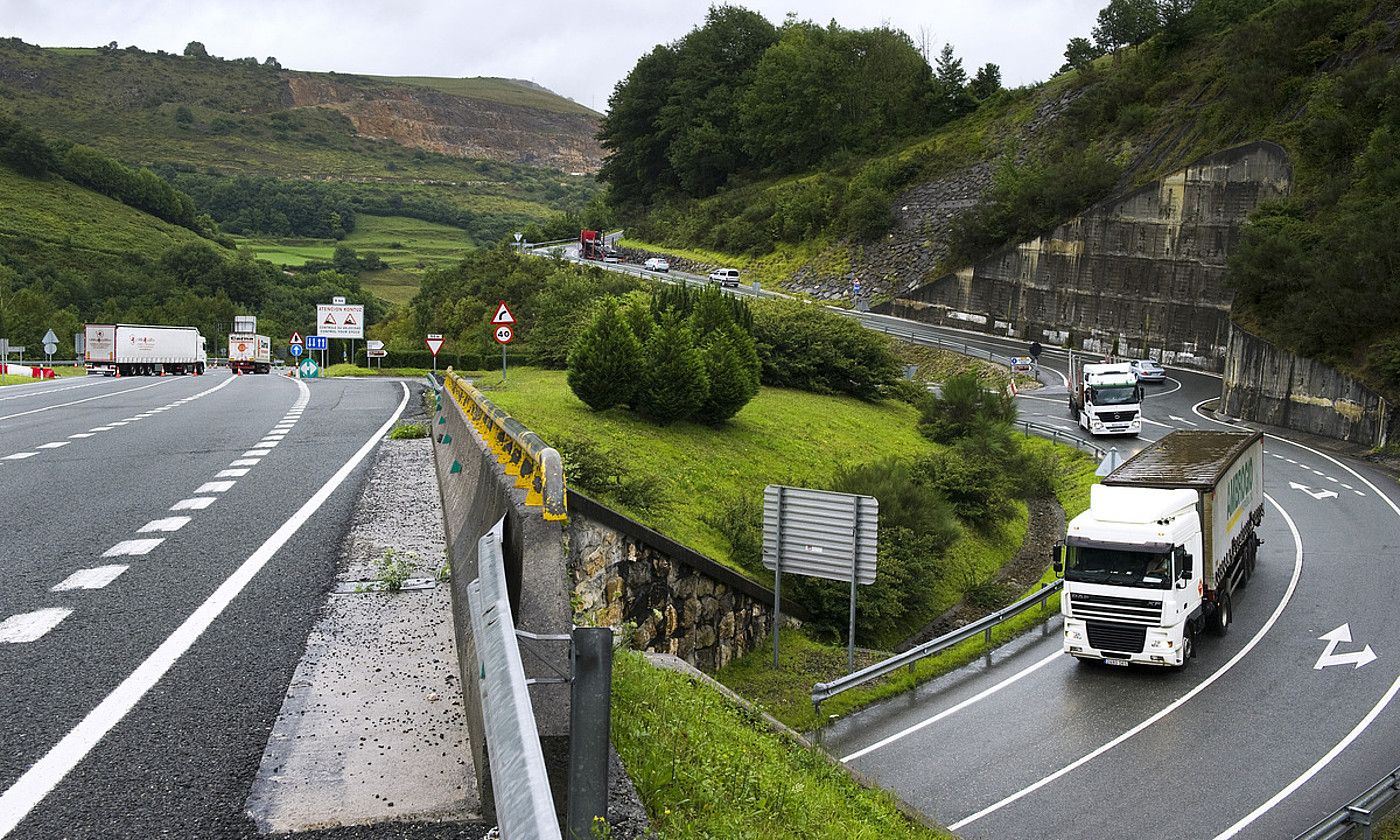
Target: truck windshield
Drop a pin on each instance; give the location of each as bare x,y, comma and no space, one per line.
1114,395
1149,570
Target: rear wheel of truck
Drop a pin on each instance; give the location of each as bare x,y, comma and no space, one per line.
1223,615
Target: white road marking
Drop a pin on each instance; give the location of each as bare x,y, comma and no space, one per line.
245,462
1331,479
101,429
121,422
133,548
256,453
77,402
41,778
27,627
1340,636
1175,704
954,709
169,523
275,435
215,486
34,392
55,444
238,473
266,444
1155,423
1347,486
81,435
19,456
196,503
94,578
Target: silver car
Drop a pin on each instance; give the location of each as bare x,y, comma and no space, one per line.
1147,370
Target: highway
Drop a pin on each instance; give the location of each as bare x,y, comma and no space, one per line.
1270,728
167,543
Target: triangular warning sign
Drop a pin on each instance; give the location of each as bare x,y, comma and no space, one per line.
349,320
330,320
503,315
296,338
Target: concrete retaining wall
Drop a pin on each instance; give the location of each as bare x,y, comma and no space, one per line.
1268,384
1141,274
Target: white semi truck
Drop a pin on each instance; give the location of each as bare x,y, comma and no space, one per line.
1168,539
249,353
142,350
1104,398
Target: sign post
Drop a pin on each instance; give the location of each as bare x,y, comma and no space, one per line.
504,334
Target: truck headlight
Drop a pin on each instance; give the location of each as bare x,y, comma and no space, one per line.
1074,634
1162,644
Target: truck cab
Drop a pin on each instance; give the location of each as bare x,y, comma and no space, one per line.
1106,399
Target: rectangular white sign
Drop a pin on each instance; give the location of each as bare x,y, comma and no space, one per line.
334,321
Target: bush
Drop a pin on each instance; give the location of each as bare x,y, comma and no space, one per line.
979,489
674,383
606,361
962,407
732,370
806,347
424,359
602,472
408,431
740,522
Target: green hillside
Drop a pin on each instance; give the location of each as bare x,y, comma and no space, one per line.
509,91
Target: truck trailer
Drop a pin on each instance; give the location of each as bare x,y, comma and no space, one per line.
249,353
1104,397
143,350
1169,538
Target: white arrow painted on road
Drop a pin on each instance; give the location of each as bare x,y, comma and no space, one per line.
1316,494
1181,420
1337,637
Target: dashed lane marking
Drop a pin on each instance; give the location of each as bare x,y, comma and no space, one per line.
266,444
169,523
54,444
81,435
94,578
196,503
237,473
76,402
256,453
133,548
19,456
245,462
215,486
100,429
31,626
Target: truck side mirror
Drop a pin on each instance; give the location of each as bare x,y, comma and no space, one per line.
1185,573
1057,558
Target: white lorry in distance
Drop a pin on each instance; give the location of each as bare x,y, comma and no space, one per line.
1168,539
143,350
249,353
1104,398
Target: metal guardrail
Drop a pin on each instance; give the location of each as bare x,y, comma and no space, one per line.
520,786
822,692
537,467
1357,818
1060,435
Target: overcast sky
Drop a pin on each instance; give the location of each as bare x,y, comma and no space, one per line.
578,49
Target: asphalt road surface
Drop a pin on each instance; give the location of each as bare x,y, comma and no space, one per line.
167,542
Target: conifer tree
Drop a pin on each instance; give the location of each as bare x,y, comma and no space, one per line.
606,360
674,383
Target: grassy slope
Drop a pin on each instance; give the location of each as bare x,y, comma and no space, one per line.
508,91
705,768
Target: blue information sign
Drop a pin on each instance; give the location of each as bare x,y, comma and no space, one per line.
317,342
295,349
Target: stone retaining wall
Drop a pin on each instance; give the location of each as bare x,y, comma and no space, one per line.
1268,384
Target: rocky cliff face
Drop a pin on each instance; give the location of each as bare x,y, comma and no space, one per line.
449,124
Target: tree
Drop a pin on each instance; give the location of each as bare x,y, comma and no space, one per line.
27,153
605,363
1079,54
272,63
731,365
986,83
950,83
195,49
1124,23
674,384
963,406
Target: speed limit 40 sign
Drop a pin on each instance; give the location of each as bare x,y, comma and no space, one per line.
504,334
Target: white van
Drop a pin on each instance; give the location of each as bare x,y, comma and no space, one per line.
725,277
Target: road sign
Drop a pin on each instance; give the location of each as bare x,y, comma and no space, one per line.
296,338
50,348
308,369
295,349
503,334
50,338
338,300
503,315
317,342
376,354
337,321
374,344
435,342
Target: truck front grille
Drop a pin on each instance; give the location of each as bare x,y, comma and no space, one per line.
1117,416
1130,610
1117,638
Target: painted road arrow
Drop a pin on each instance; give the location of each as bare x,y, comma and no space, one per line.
1180,419
1337,637
1316,494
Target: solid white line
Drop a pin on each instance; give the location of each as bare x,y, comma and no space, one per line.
169,523
215,486
197,503
36,783
77,402
245,462
19,456
1175,704
94,578
41,391
27,627
54,445
133,548
256,453
954,709
238,473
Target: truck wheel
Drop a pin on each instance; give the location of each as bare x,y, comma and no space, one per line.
1188,646
1223,615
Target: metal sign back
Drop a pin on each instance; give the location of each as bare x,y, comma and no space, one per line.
818,532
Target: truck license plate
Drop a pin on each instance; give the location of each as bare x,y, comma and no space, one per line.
1123,662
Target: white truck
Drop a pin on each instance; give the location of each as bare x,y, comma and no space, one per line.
143,350
1168,539
1104,398
249,353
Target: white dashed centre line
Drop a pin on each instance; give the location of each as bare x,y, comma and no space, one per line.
94,578
27,627
265,444
238,473
81,435
133,548
256,453
101,429
196,503
19,456
169,523
55,444
245,462
215,486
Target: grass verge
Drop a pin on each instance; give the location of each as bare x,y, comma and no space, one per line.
707,768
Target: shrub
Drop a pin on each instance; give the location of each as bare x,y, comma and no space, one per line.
674,384
739,521
408,431
732,370
962,407
807,347
606,361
